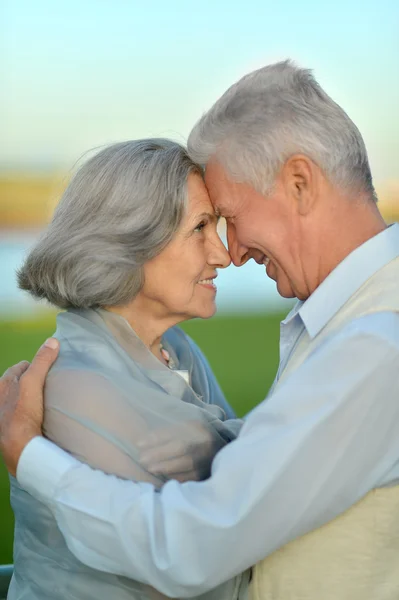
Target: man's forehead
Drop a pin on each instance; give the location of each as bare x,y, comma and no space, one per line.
225,194
215,173
218,185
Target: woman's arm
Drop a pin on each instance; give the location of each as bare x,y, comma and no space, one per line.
86,415
187,453
90,418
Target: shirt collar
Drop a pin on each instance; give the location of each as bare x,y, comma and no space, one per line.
346,279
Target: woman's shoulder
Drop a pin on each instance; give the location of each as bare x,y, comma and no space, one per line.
176,337
182,344
188,354
84,342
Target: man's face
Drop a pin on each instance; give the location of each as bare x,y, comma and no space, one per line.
267,229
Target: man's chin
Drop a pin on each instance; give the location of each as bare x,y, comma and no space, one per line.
286,291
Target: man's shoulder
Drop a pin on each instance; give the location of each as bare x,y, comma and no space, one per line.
382,326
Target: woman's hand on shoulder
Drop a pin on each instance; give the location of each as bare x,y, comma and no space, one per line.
184,451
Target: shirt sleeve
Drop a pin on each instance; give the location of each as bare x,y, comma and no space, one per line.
324,438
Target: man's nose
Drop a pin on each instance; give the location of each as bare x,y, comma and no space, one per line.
238,252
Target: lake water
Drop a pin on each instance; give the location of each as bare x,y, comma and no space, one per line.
246,289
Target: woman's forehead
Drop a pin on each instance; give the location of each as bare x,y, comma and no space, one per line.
198,197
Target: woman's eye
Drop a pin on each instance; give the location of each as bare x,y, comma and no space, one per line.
200,226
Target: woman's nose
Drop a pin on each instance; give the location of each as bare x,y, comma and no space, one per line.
218,255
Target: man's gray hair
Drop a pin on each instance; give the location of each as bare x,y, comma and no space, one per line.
272,114
122,207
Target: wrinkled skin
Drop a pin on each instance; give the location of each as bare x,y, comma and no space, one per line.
21,403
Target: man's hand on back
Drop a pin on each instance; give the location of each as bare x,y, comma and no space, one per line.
21,403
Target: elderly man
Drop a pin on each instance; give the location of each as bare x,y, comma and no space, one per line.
307,491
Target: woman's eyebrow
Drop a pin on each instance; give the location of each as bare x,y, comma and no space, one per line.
211,216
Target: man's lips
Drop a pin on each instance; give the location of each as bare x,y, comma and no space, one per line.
269,264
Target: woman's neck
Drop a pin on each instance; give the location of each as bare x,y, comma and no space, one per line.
148,326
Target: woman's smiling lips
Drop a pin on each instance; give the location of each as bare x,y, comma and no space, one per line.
208,283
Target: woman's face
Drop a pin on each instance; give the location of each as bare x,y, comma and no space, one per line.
180,281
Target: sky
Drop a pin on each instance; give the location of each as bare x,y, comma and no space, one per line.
77,74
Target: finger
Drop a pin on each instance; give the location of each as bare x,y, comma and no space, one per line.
181,464
41,363
188,476
158,437
16,371
162,452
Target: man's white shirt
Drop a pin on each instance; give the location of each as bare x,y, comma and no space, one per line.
325,437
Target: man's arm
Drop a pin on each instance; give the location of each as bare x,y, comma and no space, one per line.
324,439
21,402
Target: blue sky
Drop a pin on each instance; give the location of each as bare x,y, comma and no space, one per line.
80,73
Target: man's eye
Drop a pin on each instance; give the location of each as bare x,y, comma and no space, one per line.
200,226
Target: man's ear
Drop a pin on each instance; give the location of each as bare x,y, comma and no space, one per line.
300,176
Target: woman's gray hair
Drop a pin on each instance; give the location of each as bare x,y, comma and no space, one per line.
122,207
272,114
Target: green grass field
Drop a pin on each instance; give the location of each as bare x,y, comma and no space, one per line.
243,352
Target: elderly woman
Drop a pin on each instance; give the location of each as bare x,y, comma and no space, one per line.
132,251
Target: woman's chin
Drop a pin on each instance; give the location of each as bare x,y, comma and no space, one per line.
207,312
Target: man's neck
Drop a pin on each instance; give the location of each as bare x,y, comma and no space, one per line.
345,231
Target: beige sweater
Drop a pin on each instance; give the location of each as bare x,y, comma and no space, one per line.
355,556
